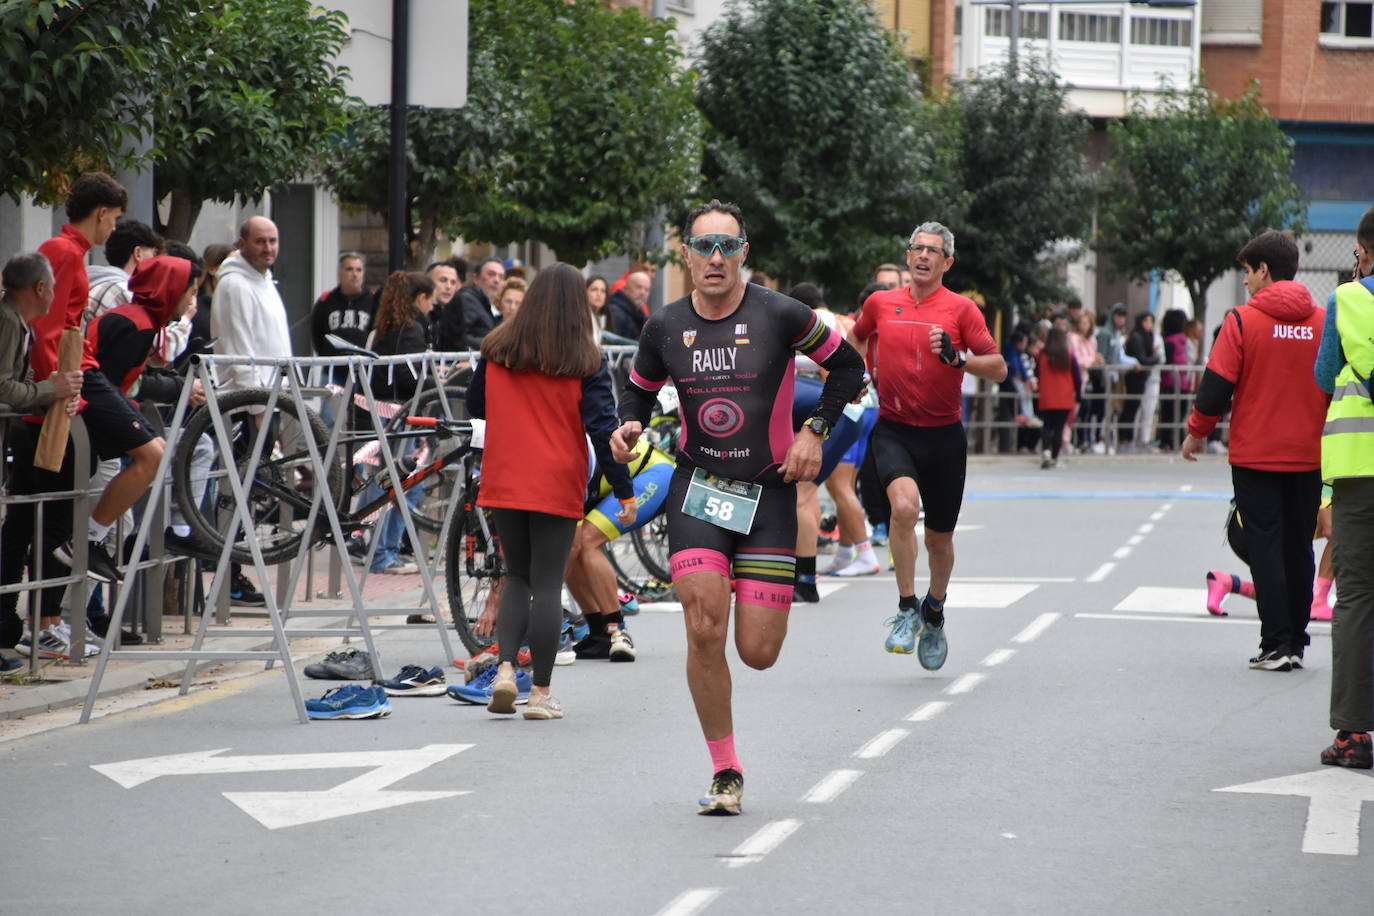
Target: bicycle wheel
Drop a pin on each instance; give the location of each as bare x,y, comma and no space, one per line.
438,487
474,572
284,479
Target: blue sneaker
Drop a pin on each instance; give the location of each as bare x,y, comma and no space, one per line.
352,701
879,536
629,604
414,681
575,625
566,655
478,692
905,627
934,647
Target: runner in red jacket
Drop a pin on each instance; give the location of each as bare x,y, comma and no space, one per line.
1261,366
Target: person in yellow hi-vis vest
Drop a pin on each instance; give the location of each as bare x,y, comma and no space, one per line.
1344,363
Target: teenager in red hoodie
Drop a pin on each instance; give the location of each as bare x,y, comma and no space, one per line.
1261,367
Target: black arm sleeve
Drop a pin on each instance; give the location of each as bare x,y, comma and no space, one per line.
598,418
846,368
161,386
476,397
1214,394
319,326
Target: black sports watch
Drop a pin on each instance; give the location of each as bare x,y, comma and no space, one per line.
818,426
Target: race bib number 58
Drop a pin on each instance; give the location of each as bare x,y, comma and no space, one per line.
726,503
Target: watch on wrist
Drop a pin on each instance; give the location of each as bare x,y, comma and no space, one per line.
818,426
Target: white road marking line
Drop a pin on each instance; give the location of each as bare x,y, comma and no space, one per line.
768,838
1157,516
881,743
689,903
1122,553
1101,572
1186,488
1146,528
927,711
1204,618
1036,627
1155,599
997,656
1134,540
829,788
964,683
1166,507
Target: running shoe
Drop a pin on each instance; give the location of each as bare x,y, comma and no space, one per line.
725,794
1219,586
478,693
934,646
806,593
505,690
543,706
9,665
879,536
343,665
485,660
575,624
399,568
243,593
56,642
598,646
629,604
844,555
565,654
622,647
414,681
351,701
1354,750
862,565
906,626
1273,660
100,566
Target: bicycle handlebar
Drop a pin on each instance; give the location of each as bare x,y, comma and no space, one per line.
430,422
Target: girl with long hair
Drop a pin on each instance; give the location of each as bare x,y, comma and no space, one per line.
596,297
1059,385
543,388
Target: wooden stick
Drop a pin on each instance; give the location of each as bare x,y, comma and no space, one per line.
52,440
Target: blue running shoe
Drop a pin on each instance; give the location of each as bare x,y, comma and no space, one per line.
565,655
934,648
352,701
905,627
575,626
879,536
414,681
478,692
629,604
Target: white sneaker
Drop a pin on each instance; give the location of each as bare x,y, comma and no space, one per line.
843,557
401,569
863,565
1099,448
622,647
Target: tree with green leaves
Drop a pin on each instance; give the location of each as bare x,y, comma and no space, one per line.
812,128
1192,178
579,125
71,74
1017,156
251,98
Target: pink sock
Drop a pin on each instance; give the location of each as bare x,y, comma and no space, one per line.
1247,589
1322,589
723,755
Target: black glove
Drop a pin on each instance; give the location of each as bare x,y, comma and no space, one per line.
948,355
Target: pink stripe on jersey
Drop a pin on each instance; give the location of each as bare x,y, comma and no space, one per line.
780,434
698,559
644,383
763,594
822,353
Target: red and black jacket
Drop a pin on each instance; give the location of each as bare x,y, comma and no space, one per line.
124,337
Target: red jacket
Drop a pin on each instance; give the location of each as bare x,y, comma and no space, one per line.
1056,385
71,290
1262,364
123,338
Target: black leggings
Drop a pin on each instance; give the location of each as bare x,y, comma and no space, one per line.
536,547
1130,404
1052,433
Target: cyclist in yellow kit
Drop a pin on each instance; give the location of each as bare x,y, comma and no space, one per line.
589,575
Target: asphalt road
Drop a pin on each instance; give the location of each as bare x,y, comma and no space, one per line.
1066,760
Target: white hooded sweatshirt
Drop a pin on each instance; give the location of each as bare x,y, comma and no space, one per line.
248,318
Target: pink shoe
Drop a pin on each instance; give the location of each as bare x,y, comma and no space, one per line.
1321,610
1219,585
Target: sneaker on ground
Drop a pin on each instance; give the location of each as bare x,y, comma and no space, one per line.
595,646
420,619
343,665
243,593
906,625
725,794
414,681
543,706
629,604
843,557
622,647
1218,588
1295,659
9,665
1273,660
575,625
100,566
934,646
860,566
565,655
56,642
505,690
879,537
351,701
399,568
806,593
478,693
482,661
1355,751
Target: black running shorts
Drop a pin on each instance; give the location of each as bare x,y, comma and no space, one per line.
936,457
113,423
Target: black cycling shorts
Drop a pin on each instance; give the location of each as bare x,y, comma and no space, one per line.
762,562
113,423
936,457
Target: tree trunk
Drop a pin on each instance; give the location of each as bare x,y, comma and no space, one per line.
181,216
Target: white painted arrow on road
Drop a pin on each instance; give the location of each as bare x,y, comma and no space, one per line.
287,809
1333,814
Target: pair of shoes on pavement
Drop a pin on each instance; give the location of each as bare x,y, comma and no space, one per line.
399,568
100,566
1275,660
1350,749
615,645
56,642
415,681
913,633
343,665
478,691
351,701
